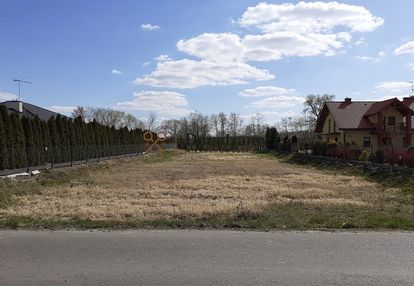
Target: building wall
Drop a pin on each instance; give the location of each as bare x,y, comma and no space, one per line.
356,137
389,111
332,133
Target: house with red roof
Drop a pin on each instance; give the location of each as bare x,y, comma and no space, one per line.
368,125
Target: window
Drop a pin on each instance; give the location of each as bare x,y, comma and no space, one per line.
391,120
367,142
329,126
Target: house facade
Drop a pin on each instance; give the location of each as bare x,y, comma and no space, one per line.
370,125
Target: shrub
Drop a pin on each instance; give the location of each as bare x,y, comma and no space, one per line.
364,156
410,149
372,158
294,139
332,145
394,157
271,138
319,148
316,148
379,156
285,146
408,159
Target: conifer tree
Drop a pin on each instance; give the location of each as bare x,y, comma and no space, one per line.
55,148
28,134
19,141
61,134
46,147
37,141
4,160
8,130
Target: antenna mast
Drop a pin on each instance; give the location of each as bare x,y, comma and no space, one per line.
412,88
19,81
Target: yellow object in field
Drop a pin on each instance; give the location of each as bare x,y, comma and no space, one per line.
154,140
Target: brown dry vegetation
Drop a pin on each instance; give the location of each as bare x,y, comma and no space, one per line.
193,186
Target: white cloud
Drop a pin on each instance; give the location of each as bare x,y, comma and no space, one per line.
374,59
407,48
265,91
163,58
281,101
361,42
368,59
393,86
305,29
146,64
187,73
6,96
115,71
286,30
308,17
216,47
265,47
67,110
277,45
165,103
150,27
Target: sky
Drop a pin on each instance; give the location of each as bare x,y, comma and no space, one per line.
177,57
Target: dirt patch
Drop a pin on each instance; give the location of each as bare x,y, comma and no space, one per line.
192,185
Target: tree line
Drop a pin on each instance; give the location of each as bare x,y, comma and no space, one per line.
31,142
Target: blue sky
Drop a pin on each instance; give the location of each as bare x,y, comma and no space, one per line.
174,57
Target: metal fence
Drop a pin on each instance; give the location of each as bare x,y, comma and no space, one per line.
223,143
27,159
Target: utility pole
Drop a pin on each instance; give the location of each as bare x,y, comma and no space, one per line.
19,81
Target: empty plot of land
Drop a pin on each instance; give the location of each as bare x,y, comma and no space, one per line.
229,189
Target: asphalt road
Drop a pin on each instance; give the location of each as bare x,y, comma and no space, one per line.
205,258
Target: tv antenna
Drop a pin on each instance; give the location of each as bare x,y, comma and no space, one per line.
412,88
20,81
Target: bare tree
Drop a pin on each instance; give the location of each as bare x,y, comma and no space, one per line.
235,123
131,122
108,117
257,126
171,126
314,104
151,121
222,118
80,111
302,127
214,123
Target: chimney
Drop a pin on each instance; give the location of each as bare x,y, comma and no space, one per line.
408,100
17,105
348,100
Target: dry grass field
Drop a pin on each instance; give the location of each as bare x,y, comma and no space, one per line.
203,189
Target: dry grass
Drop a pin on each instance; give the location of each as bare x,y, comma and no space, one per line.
195,185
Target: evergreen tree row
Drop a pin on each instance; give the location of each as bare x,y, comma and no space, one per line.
33,142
